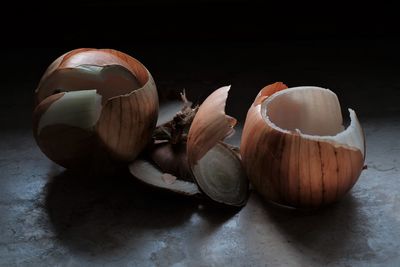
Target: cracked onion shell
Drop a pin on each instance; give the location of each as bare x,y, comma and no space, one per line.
121,119
295,149
215,167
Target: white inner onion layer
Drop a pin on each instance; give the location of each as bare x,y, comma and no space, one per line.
148,173
315,114
78,109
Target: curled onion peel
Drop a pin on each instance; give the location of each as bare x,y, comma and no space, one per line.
295,149
214,167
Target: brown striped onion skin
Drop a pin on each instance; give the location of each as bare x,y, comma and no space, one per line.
288,168
216,168
201,165
210,125
125,120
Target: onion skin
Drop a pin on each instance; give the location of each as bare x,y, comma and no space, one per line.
127,122
196,163
210,125
209,128
290,170
127,117
94,57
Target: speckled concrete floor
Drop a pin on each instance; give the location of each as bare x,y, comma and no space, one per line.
53,217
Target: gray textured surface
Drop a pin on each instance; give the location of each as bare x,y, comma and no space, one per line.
50,217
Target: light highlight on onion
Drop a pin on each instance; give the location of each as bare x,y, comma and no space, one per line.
93,103
295,149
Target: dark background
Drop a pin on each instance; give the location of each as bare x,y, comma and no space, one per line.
201,45
125,23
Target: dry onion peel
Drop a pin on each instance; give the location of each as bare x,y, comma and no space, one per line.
86,68
127,122
295,149
121,124
168,110
215,169
210,125
166,165
150,174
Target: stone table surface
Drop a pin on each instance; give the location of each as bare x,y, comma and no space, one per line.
53,217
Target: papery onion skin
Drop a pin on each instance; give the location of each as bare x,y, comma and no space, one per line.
291,170
126,120
90,57
209,128
210,125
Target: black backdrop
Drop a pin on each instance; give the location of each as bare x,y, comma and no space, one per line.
121,22
200,45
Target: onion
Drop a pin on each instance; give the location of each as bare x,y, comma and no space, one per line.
295,149
190,157
216,168
94,104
